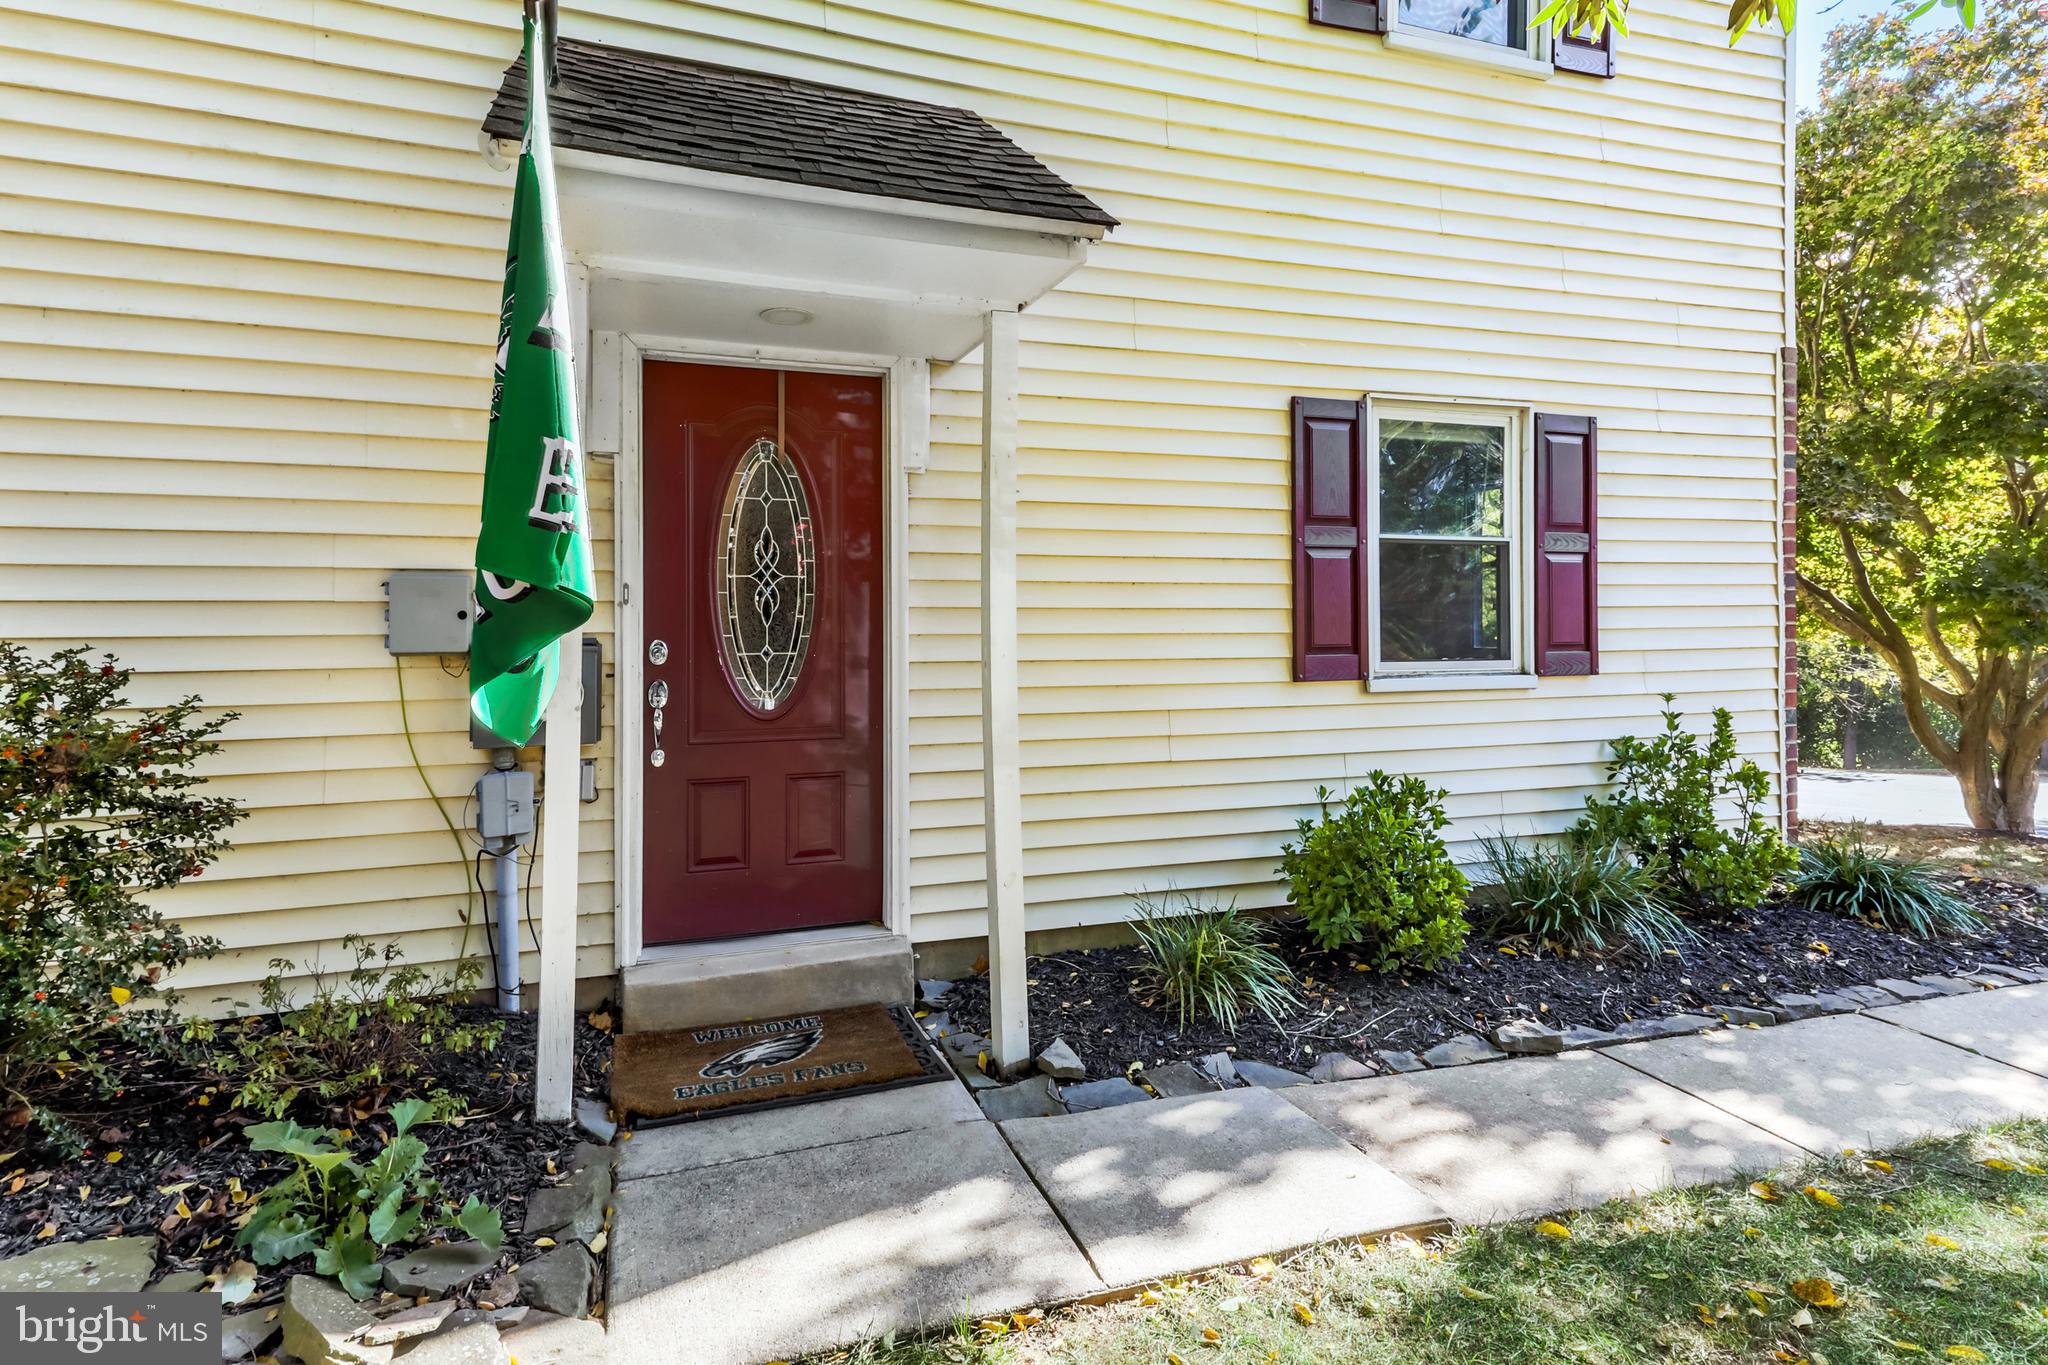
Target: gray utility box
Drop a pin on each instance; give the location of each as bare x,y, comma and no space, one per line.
593,705
504,805
429,611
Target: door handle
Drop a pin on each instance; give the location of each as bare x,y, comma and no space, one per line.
657,701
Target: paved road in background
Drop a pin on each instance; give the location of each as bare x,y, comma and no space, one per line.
1883,798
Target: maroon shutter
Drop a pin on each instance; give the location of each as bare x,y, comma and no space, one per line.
1329,539
1367,16
1583,54
1567,545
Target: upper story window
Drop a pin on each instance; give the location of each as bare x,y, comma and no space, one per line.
1487,21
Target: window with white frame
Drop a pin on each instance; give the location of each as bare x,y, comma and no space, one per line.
1447,533
1500,22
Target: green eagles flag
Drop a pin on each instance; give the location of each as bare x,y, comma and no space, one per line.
533,577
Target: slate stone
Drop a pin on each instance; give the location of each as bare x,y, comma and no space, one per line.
244,1334
559,1281
2010,973
180,1282
469,1343
1741,1016
1675,1026
1338,1066
1062,1063
933,992
575,1205
416,1321
1907,990
322,1323
112,1265
1267,1077
2032,975
1463,1050
1848,998
1176,1079
1221,1068
592,1118
1580,1037
1788,1009
1528,1036
1033,1098
549,1339
591,1154
1945,985
1398,1062
441,1270
501,1292
1985,981
964,1050
937,1024
1101,1095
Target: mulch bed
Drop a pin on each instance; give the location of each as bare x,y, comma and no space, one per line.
179,1140
1087,997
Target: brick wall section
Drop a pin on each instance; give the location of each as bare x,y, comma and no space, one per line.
1789,375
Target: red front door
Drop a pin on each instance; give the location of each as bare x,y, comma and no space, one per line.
762,510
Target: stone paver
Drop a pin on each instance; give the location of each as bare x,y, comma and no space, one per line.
1841,1081
1539,1135
766,1132
745,1261
2009,1025
1174,1186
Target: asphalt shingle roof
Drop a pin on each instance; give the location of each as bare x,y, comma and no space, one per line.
653,107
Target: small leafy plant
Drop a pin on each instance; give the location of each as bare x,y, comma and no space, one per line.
1581,896
1846,875
355,1040
1663,811
347,1212
1213,962
1375,874
98,805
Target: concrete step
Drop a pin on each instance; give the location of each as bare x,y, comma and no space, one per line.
766,977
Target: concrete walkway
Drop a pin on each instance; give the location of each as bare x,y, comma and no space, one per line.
762,1236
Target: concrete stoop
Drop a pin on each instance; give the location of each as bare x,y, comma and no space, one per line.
766,977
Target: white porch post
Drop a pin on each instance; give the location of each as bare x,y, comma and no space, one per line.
561,773
1002,801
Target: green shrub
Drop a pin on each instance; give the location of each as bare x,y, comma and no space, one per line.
1663,812
1375,874
1846,876
356,1039
1581,896
1210,962
98,804
347,1212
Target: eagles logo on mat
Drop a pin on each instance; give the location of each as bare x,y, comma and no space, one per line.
772,1052
695,1072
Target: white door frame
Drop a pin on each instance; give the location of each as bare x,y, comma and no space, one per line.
905,443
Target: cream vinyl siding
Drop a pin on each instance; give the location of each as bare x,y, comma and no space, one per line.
249,263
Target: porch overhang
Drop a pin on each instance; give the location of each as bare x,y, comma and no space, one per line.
678,252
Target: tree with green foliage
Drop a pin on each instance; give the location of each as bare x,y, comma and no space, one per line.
1923,339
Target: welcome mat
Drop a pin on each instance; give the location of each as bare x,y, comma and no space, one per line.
693,1073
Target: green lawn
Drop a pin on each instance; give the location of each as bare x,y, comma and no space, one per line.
1942,1257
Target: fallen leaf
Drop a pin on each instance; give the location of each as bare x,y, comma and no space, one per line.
1230,1305
113,1158
1877,1165
597,1242
1935,1239
1966,1353
1802,1319
543,1241
1552,1228
1149,1299
1301,1311
1999,1164
236,1283
1818,1292
1476,1295
121,995
1764,1190
46,1231
1752,1232
1821,1196
1898,1345
1263,1267
1819,947
1211,1334
601,1020
1756,1296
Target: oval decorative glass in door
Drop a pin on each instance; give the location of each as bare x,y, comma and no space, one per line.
766,577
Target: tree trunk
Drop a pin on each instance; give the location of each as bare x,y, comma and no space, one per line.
2001,802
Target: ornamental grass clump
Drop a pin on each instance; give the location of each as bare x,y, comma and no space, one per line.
1581,896
1374,874
98,805
1212,962
1665,811
1846,875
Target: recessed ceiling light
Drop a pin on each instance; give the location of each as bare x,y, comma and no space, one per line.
786,317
